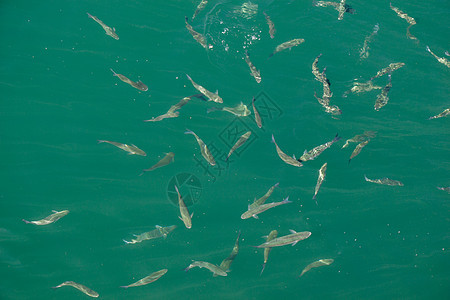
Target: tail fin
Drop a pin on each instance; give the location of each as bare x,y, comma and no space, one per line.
27,222
212,109
263,267
286,200
336,138
273,139
124,286
188,131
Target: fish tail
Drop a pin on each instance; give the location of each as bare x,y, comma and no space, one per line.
186,269
186,19
188,77
286,200
349,161
126,242
89,15
337,137
27,222
365,177
263,267
188,131
199,96
114,73
124,286
212,109
101,141
273,139
276,184
271,54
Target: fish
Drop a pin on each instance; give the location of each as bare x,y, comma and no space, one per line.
447,188
320,76
185,216
313,153
200,7
239,143
411,21
364,51
136,84
263,199
320,179
447,53
203,264
163,162
316,264
360,138
385,181
383,97
287,45
389,69
445,113
154,234
211,96
167,115
253,71
146,280
79,287
109,31
197,36
257,116
253,212
331,109
273,234
271,25
292,238
362,87
172,112
131,149
226,263
442,60
239,110
50,219
341,7
203,148
286,158
358,149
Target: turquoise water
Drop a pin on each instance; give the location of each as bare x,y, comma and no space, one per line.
59,97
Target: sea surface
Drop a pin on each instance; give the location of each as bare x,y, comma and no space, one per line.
59,96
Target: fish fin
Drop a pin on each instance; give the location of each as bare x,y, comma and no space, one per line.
135,235
305,152
114,29
276,184
365,177
217,92
188,131
124,286
293,244
263,267
293,156
273,139
286,200
208,110
349,161
27,222
265,236
192,215
292,231
101,141
157,226
126,242
114,73
271,54
188,77
180,218
255,216
55,211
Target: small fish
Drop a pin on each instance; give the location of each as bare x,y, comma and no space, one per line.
163,162
79,287
320,179
167,115
109,31
239,110
313,153
364,51
358,149
226,263
447,188
272,235
341,7
383,97
263,199
203,148
185,216
203,264
442,60
197,36
239,143
172,112
287,45
286,158
411,21
360,138
257,116
316,264
389,69
447,53
445,113
211,96
136,84
385,181
50,219
292,238
362,87
253,71
320,76
253,212
271,25
154,234
200,7
146,280
131,149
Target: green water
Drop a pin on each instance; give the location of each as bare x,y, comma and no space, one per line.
59,97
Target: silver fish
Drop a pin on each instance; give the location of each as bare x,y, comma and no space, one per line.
388,70
172,112
383,97
287,45
272,235
239,110
167,115
203,264
364,51
442,60
360,138
226,263
131,149
263,199
136,84
211,96
286,158
253,71
197,36
239,143
341,7
292,238
385,181
79,287
358,149
411,21
50,219
315,69
447,188
163,162
154,234
316,264
257,116
445,113
313,153
146,280
185,216
362,87
200,7
253,212
271,25
320,179
203,148
109,31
